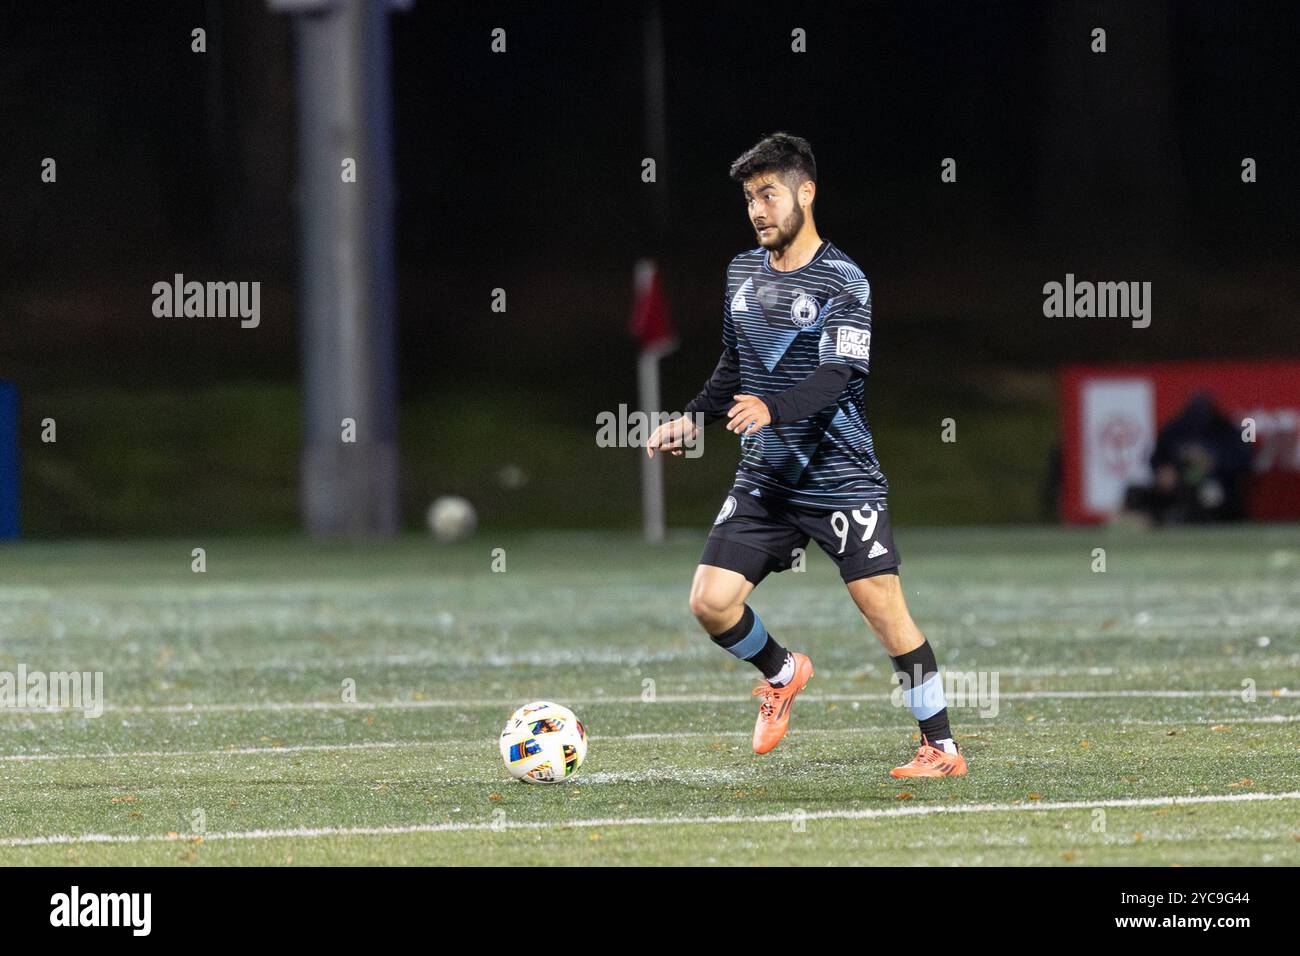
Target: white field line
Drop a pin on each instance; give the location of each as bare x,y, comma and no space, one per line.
570,658
666,735
393,745
310,705
611,822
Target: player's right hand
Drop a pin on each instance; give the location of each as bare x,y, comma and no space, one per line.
672,436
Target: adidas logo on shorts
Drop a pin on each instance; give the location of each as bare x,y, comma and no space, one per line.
877,549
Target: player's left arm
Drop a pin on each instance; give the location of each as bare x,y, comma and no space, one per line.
818,391
844,349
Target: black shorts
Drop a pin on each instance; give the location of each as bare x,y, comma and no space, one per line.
755,536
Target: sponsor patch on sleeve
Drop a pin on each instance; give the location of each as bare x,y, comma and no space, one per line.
853,343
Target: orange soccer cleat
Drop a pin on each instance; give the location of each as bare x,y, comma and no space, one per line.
777,705
930,761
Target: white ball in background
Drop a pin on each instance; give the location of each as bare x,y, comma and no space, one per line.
511,477
451,518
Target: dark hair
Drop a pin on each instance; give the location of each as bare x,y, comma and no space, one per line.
789,156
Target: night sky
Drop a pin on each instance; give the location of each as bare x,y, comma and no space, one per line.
521,170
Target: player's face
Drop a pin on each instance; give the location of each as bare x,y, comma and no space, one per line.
774,211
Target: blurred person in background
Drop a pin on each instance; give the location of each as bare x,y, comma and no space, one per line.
1199,469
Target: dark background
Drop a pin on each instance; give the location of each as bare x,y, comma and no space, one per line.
522,171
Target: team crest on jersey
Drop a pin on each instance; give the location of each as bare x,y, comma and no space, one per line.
804,310
728,509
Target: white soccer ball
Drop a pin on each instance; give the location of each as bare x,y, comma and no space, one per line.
543,743
451,518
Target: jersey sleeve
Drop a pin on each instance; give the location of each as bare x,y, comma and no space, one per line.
846,332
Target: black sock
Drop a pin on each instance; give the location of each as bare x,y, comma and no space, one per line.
936,728
748,639
916,667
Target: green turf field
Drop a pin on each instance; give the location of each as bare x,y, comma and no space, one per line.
225,738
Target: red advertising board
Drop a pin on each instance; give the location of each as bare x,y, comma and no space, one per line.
1111,414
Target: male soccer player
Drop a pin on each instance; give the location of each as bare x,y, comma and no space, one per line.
796,335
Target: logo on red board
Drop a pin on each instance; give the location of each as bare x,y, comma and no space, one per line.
1119,440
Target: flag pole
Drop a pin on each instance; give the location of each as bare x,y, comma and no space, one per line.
653,329
656,340
652,469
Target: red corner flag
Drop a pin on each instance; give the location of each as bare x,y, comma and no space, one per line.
651,324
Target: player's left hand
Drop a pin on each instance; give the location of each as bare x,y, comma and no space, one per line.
748,415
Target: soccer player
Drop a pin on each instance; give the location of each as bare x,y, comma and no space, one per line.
796,336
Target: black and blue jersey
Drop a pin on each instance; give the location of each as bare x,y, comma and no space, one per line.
778,328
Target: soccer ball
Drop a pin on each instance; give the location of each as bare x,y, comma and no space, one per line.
543,743
451,518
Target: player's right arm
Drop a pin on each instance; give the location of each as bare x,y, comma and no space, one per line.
672,436
714,400
718,393
711,404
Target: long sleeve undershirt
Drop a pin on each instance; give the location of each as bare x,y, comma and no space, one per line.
818,391
716,396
